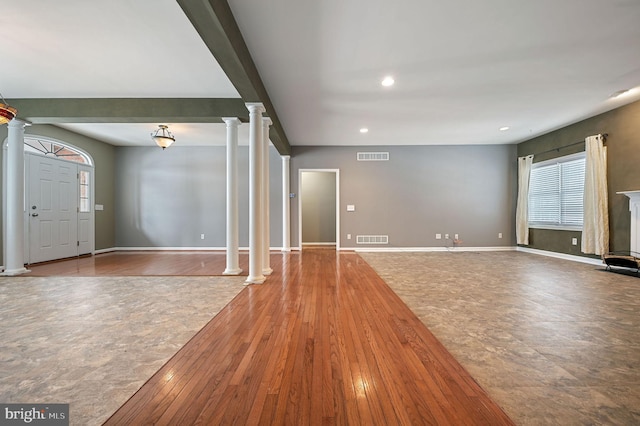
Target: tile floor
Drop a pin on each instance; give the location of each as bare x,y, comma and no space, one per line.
552,341
92,342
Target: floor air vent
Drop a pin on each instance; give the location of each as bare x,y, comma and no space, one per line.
372,239
373,156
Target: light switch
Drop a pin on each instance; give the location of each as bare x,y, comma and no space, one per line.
351,208
99,207
438,236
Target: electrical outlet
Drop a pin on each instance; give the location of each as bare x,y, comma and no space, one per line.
438,236
455,237
499,234
202,236
574,241
348,236
446,236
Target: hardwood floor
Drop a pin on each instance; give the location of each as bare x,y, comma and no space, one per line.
140,263
323,341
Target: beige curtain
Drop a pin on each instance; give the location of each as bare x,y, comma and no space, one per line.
522,206
595,228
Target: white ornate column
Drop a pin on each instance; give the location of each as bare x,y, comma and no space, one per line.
255,193
233,264
14,254
266,236
286,206
634,208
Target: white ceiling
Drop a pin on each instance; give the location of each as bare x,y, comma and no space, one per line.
463,68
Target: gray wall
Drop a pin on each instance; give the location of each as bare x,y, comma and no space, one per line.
623,174
420,191
104,157
318,196
169,198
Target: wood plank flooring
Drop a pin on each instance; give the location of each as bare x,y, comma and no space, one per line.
323,341
210,263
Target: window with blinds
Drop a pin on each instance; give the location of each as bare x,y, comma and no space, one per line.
555,192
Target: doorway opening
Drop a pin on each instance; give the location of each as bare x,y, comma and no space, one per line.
318,208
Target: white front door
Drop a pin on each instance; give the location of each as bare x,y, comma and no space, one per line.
52,208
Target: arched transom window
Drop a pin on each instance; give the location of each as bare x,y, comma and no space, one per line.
52,148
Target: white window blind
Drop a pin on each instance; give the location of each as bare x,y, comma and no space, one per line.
555,192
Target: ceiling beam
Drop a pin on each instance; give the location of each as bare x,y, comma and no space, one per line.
129,110
217,27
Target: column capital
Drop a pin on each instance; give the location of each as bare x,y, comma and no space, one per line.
266,121
256,107
285,157
17,123
231,121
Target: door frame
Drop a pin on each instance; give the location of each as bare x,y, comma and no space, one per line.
337,173
25,237
27,201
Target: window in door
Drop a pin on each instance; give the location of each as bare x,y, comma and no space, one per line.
51,148
85,193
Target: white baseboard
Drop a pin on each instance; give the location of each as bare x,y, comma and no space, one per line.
107,250
177,249
171,248
431,249
564,256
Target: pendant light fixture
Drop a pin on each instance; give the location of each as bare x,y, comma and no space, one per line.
163,137
7,113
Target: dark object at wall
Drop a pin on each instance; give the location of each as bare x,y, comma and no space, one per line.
622,261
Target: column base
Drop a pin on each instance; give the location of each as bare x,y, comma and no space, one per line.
255,280
267,271
286,250
14,272
232,271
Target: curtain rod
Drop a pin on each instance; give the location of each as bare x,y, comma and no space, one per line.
604,140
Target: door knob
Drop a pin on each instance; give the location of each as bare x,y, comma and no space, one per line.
34,214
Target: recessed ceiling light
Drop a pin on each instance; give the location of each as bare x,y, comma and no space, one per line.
364,130
388,81
504,128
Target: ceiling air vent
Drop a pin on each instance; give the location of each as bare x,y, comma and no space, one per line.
372,239
373,156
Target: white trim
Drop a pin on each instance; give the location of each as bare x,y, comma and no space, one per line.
432,249
564,256
14,272
49,139
112,249
107,250
557,161
318,244
175,248
556,227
